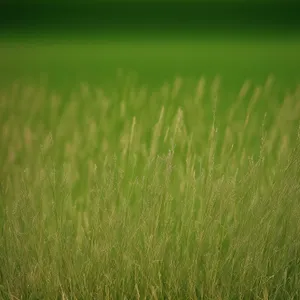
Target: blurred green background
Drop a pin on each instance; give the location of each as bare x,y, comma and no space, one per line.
64,44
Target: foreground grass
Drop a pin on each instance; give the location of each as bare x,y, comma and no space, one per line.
127,195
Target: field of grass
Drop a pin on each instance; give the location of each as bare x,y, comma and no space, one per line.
154,59
179,191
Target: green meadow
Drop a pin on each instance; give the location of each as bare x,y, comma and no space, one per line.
153,58
147,168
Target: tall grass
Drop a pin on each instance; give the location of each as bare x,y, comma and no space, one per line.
142,194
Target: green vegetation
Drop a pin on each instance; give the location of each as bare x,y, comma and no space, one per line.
161,193
64,61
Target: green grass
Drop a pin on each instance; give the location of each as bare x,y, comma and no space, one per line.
138,193
61,61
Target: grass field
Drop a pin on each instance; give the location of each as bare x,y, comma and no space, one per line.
154,59
184,190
